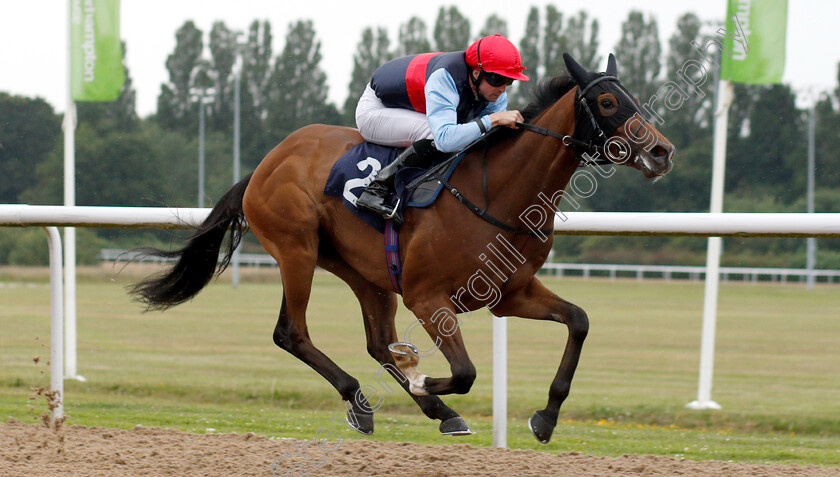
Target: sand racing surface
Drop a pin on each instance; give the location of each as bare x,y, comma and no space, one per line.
34,449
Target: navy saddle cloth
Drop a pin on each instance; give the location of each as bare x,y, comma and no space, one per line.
415,187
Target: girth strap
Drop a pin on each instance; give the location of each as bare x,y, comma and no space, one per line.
392,255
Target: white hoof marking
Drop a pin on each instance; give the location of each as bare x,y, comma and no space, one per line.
417,386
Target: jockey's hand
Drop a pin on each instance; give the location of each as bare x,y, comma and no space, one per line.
506,118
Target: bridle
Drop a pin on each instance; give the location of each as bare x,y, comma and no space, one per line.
601,158
598,142
570,141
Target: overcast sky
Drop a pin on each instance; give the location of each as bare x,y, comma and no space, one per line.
33,34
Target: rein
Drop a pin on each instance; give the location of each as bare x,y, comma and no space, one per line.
489,218
566,139
569,141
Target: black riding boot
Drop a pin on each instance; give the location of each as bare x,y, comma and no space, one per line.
375,196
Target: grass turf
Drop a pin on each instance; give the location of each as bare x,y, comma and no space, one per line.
211,363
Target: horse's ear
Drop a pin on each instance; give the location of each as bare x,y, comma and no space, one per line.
612,68
579,73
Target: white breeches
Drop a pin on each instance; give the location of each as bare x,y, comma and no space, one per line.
389,126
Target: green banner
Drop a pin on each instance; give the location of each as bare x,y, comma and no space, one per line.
96,72
755,41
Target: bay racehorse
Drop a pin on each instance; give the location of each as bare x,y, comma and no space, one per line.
455,258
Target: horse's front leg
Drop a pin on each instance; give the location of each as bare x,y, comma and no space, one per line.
537,302
441,324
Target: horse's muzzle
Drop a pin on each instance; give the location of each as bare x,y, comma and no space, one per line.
656,162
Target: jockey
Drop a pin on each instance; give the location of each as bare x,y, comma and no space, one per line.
437,101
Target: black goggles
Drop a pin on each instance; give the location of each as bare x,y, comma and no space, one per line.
495,80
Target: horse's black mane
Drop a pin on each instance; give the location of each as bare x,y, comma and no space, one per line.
546,92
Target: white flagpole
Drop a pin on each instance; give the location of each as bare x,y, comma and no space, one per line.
69,127
707,346
236,146
811,242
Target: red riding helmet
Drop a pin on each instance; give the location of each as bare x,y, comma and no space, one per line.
496,54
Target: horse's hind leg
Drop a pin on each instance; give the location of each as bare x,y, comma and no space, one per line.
379,307
295,339
297,256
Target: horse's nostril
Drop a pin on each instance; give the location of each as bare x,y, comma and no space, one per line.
659,152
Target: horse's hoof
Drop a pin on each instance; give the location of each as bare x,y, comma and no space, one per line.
540,427
455,426
402,348
361,422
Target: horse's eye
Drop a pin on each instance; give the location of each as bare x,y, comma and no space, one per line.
607,104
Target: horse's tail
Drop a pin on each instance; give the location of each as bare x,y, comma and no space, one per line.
198,261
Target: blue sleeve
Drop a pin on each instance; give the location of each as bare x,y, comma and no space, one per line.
441,110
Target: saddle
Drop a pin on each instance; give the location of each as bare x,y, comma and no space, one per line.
413,186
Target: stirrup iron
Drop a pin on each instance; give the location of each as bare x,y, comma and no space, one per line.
394,211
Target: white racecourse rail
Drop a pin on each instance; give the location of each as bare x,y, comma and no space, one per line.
571,223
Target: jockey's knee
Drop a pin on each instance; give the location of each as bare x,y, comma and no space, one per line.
420,130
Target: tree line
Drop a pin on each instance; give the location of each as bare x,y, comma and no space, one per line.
125,160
